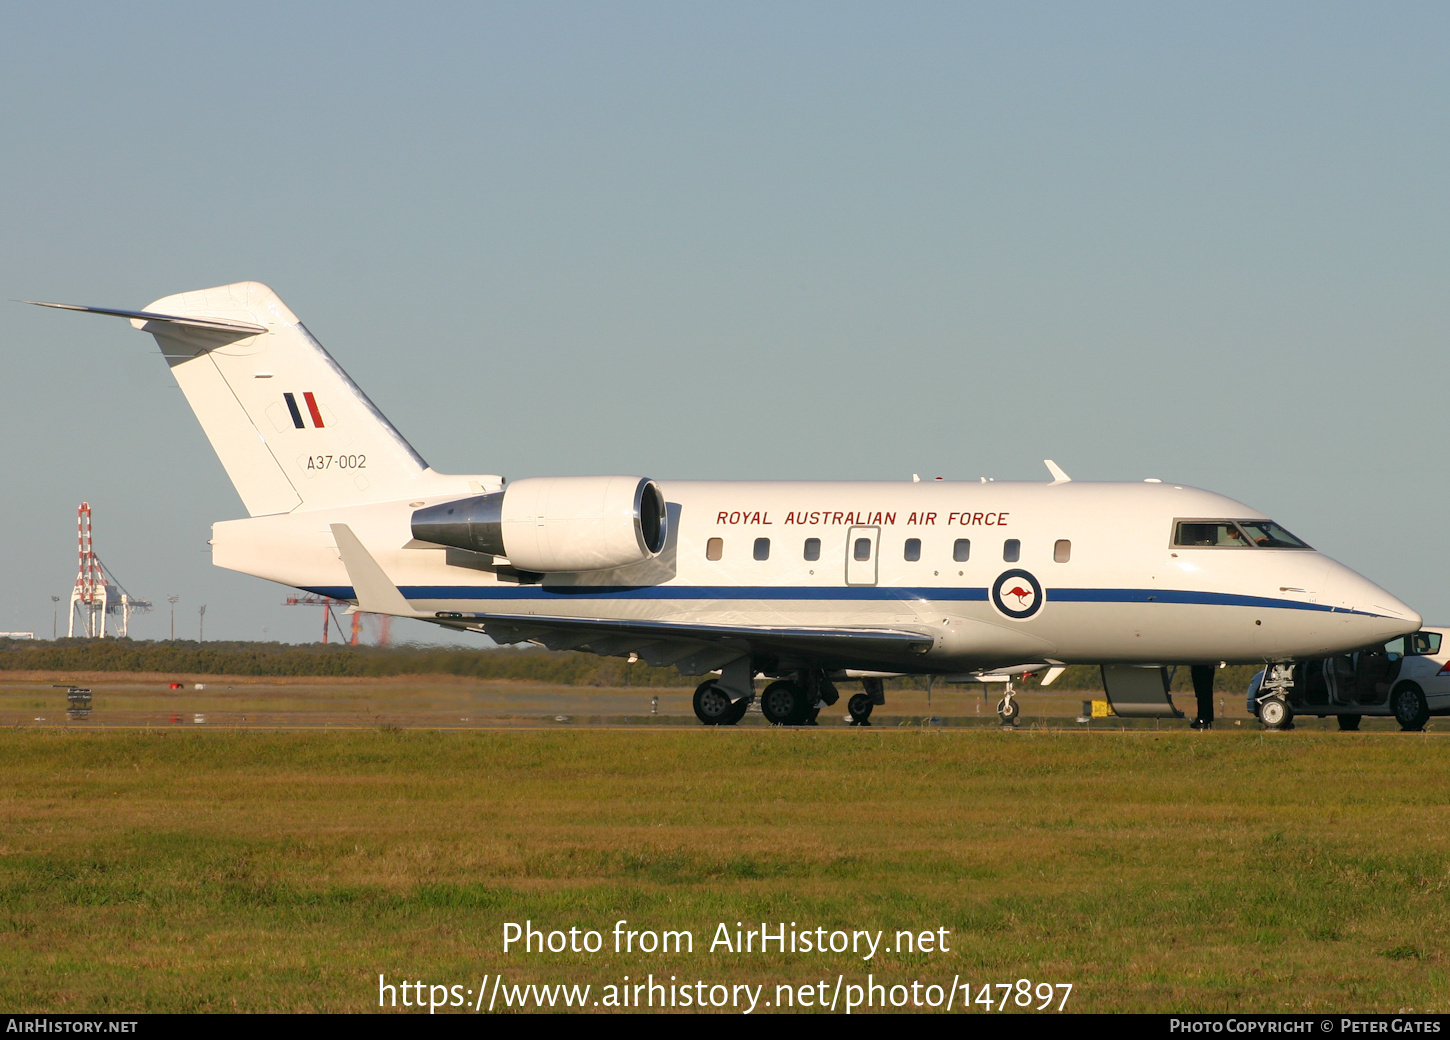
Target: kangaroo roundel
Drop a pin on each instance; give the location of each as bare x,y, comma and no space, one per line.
1017,594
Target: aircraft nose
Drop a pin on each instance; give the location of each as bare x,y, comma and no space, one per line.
1377,614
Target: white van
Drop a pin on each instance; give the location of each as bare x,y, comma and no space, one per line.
1408,677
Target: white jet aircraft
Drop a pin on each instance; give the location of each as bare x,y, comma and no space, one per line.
807,583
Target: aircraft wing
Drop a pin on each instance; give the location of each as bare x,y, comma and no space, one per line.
694,648
661,643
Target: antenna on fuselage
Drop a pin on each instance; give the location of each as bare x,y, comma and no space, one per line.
1058,476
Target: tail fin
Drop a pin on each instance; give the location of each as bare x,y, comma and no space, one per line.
291,429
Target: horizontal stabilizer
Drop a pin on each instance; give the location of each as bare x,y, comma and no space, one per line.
220,324
291,429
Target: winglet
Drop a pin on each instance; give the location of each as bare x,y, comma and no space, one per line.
1058,476
375,591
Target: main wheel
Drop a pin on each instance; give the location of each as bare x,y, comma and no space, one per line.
784,704
1008,711
1275,713
712,707
1408,703
1349,723
860,708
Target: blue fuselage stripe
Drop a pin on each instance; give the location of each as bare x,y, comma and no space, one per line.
816,594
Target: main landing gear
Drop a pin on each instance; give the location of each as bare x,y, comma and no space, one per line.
714,708
795,701
786,703
798,700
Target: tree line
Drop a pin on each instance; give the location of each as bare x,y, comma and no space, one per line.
562,667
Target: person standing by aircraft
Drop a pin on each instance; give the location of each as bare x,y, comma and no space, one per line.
1203,693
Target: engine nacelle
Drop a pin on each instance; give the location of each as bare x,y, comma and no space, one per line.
553,524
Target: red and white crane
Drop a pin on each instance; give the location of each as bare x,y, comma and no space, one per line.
97,593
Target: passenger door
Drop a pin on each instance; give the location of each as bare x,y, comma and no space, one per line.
861,546
1375,671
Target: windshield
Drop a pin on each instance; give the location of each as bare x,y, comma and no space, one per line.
1220,533
1270,535
1233,534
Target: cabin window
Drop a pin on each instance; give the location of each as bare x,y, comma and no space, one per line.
1012,550
1061,551
862,550
961,550
762,548
714,548
912,552
813,549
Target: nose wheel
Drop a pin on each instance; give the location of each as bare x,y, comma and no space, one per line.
1275,713
1008,709
860,707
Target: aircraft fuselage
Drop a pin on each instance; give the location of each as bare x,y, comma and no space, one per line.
993,573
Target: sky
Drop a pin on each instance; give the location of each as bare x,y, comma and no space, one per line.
1204,243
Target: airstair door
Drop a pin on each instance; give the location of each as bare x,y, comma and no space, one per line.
861,546
1139,692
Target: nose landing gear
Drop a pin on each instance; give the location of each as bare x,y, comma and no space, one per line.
1274,709
1275,713
1007,708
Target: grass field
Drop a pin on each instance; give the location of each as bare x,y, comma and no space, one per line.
185,870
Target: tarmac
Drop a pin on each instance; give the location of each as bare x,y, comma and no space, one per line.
454,703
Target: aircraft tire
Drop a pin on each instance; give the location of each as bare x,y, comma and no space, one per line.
1408,703
712,707
737,711
1008,712
1275,713
1349,723
860,707
783,703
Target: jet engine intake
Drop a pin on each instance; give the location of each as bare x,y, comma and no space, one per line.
555,524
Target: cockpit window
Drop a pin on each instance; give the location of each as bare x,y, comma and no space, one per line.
1270,535
1209,533
1233,534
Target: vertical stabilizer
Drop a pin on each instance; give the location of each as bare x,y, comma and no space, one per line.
291,429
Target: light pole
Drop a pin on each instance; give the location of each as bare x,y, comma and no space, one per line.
172,600
54,616
201,623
